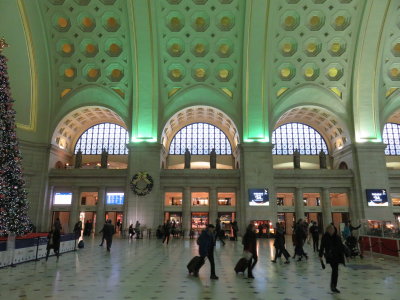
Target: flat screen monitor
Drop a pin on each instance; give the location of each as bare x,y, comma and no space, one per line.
377,197
63,198
258,197
115,198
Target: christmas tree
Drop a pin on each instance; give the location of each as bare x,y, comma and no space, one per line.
13,201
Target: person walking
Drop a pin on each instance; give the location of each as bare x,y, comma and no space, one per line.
131,231
137,230
250,245
108,231
300,238
167,231
314,232
333,250
206,248
78,229
54,240
279,244
235,229
219,233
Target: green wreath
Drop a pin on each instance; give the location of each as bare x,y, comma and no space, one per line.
142,184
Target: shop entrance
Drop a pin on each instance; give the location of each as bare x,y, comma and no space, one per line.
315,217
226,219
339,218
264,228
64,219
88,219
116,218
287,220
199,221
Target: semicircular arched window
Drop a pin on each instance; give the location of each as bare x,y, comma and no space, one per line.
200,139
292,136
111,137
391,137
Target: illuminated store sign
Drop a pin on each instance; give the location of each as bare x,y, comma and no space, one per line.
63,198
258,197
377,197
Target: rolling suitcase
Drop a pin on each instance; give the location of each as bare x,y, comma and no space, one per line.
195,264
241,265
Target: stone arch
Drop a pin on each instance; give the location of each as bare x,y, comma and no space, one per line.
72,125
309,106
206,114
200,113
92,95
200,95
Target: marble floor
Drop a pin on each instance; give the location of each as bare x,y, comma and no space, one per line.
147,269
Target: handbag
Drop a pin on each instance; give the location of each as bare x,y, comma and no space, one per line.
247,255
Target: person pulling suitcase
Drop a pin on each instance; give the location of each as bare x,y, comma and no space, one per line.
206,248
250,245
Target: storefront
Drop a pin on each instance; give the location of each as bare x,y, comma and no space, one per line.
199,220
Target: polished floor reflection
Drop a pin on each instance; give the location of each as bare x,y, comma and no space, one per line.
147,269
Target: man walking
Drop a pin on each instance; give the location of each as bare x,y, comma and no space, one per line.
206,247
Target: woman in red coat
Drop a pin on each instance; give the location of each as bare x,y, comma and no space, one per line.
250,245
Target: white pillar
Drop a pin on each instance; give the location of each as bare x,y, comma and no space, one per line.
100,210
299,204
186,217
326,207
75,205
213,205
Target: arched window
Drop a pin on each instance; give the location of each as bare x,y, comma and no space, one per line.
292,136
110,136
391,137
200,139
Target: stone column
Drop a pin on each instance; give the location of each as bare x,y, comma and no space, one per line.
144,157
75,205
100,209
47,212
326,207
256,173
299,204
186,217
213,212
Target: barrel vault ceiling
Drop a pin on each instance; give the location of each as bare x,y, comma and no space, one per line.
200,43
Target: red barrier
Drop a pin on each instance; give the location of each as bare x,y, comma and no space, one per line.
27,236
389,247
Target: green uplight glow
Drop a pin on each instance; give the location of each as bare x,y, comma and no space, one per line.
143,139
259,140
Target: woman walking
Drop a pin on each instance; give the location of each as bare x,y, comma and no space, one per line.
279,244
333,250
250,245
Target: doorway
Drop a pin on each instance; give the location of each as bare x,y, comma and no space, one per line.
88,219
116,218
64,219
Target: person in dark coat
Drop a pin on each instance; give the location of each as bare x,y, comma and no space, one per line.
219,233
314,232
279,244
250,244
78,229
235,229
206,244
131,231
300,237
333,250
53,240
167,231
108,231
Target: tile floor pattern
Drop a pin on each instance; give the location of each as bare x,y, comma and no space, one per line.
147,269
